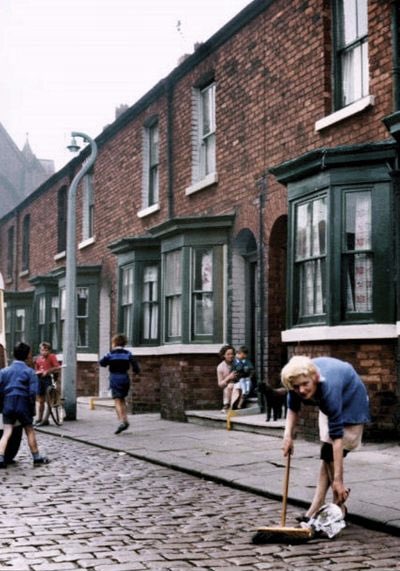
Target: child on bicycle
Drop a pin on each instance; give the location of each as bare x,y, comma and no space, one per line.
119,360
18,387
46,364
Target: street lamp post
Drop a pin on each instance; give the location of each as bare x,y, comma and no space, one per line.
69,340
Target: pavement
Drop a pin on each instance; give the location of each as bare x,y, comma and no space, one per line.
248,456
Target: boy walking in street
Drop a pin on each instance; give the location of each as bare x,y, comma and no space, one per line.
119,360
18,387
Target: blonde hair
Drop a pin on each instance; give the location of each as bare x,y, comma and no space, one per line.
298,365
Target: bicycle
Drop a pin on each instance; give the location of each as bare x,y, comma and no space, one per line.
55,402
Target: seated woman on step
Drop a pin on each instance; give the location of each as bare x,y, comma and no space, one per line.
228,378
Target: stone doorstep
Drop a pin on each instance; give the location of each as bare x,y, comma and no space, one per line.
96,402
246,420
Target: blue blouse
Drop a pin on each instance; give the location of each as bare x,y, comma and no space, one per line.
341,395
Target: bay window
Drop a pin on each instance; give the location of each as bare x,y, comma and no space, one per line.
340,249
172,286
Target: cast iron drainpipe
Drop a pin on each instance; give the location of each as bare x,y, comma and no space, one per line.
395,173
396,54
261,273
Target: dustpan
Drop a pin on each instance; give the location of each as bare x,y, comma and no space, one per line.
283,534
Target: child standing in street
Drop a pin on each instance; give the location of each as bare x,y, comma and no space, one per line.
45,365
18,387
119,360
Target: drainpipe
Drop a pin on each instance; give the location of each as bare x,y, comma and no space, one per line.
262,184
170,148
396,54
395,174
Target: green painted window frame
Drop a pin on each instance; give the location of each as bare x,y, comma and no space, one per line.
187,250
137,260
336,185
18,302
89,278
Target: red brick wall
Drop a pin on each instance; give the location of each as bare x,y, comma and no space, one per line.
186,383
374,361
273,84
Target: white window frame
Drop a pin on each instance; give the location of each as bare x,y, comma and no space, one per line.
87,211
151,170
351,51
204,168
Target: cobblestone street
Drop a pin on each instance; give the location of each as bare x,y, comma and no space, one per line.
105,511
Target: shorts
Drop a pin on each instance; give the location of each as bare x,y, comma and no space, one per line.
119,389
44,383
18,408
352,435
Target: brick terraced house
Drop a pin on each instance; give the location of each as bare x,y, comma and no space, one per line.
251,196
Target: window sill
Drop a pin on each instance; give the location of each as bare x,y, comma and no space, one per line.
203,183
82,357
60,255
23,273
341,332
148,210
345,112
178,349
86,243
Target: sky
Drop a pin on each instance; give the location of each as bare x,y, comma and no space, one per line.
65,65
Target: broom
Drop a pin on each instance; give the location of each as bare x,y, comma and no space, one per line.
283,534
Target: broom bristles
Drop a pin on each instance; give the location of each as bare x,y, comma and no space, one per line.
289,531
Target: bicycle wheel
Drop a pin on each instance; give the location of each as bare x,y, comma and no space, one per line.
55,405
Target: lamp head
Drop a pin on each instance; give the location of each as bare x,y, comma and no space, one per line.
73,146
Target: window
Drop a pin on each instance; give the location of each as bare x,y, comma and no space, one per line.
10,252
340,265
204,152
42,318
20,319
82,316
173,294
127,302
8,329
207,130
25,242
62,219
54,317
20,326
357,255
87,304
151,165
202,292
172,284
310,257
150,303
88,208
340,250
194,293
63,304
351,17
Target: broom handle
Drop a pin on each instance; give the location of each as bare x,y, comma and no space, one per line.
285,490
